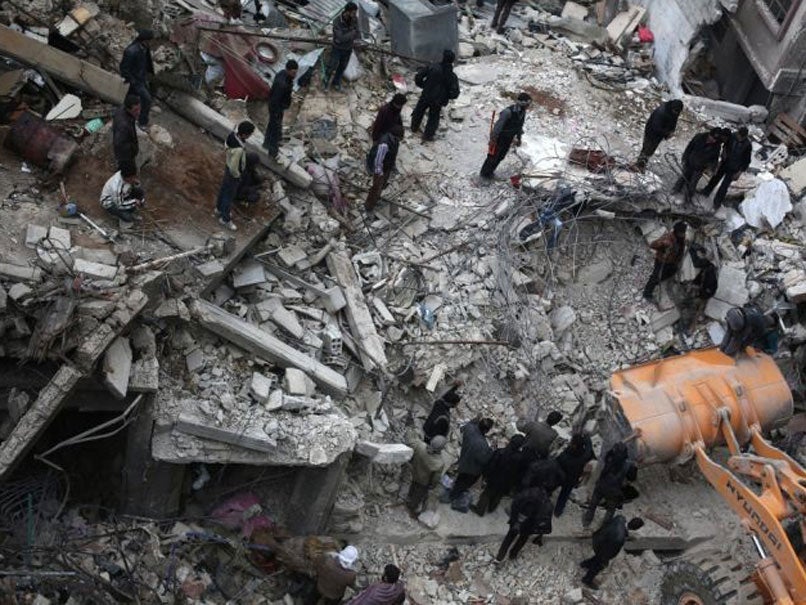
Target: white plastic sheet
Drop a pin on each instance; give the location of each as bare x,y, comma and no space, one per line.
768,205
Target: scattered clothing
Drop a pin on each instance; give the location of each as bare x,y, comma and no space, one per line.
736,159
117,200
573,460
618,469
661,125
507,129
748,327
279,101
124,138
136,66
530,515
235,165
439,85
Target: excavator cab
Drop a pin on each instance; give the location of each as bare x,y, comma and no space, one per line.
679,408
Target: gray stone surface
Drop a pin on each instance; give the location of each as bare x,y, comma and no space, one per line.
420,29
117,367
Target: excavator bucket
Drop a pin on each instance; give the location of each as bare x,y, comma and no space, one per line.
667,406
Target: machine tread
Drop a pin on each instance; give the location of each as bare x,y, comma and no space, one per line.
715,577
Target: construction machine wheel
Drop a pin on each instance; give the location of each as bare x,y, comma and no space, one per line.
709,578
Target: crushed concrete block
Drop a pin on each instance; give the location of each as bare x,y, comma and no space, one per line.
288,321
145,375
664,319
595,273
173,308
18,291
143,340
562,319
195,360
574,11
795,177
296,382
731,292
35,234
299,403
794,282
291,255
20,273
248,274
210,269
95,255
573,597
117,367
436,377
3,300
385,453
275,400
222,294
383,311
260,386
59,238
96,270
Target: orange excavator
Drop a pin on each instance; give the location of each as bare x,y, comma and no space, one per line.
678,408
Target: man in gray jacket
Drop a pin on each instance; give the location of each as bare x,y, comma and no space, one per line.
427,466
345,34
473,457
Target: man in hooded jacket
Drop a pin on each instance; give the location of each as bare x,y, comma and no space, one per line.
439,419
701,153
530,515
607,542
439,85
661,125
748,327
427,466
735,160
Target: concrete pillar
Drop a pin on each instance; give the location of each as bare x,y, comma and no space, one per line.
151,488
314,494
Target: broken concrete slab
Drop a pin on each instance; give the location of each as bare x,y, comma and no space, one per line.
332,298
794,282
249,273
195,360
253,339
145,375
20,272
173,308
246,435
437,374
384,313
211,268
59,238
17,292
664,319
260,387
624,24
95,255
35,234
287,320
730,112
296,382
96,270
117,367
795,177
385,453
731,292
574,11
291,255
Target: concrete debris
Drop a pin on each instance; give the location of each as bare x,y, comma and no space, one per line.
18,292
95,270
385,453
19,273
248,274
173,308
296,382
794,282
59,238
731,292
195,360
768,206
35,234
117,367
795,177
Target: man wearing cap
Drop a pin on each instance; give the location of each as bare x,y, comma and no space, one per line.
124,134
439,85
507,131
136,67
607,542
334,573
427,466
439,420
389,591
121,195
669,250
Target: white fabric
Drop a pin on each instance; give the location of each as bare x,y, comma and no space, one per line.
768,205
114,193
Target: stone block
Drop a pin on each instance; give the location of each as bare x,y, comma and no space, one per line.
260,386
731,292
291,255
385,315
275,401
296,382
249,273
95,255
795,177
145,375
222,294
117,367
195,360
210,269
35,234
59,238
562,319
573,10
795,284
96,270
18,291
664,319
20,272
385,453
173,308
288,321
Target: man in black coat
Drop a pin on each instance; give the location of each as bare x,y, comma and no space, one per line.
702,152
124,133
501,475
507,131
473,457
736,159
439,420
388,116
573,460
439,85
530,515
279,101
545,473
607,542
136,67
660,125
381,161
746,327
609,489
345,34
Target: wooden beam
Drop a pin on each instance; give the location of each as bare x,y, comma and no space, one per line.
83,75
264,345
370,345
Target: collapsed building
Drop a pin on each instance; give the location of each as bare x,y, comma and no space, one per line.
225,384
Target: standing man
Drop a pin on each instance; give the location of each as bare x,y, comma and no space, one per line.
389,591
381,161
530,514
607,542
124,133
501,475
136,67
439,85
618,469
121,195
345,34
539,435
279,101
439,420
669,250
235,166
334,573
388,116
573,460
702,152
508,130
502,10
427,466
735,160
473,457
660,125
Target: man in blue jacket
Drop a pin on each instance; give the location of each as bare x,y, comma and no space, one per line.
136,67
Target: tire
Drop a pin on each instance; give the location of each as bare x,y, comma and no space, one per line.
709,578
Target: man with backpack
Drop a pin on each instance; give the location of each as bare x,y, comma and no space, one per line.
530,515
439,85
507,131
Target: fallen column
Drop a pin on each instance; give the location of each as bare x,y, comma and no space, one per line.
263,344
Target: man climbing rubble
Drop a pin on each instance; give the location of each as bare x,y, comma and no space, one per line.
530,515
473,458
279,101
389,591
736,159
540,435
439,85
609,490
233,171
607,542
125,145
388,116
507,131
345,35
660,126
701,153
137,67
335,572
381,161
439,419
669,250
748,327
122,195
427,465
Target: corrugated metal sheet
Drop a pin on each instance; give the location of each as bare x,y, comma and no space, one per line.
321,12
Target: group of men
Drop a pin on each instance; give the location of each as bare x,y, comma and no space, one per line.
528,469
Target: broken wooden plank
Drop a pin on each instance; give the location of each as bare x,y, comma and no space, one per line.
370,345
37,418
250,437
83,75
220,127
263,344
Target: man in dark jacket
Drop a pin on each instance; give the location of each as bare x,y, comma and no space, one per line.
279,101
388,116
389,591
607,542
618,469
573,460
136,67
124,132
669,250
501,475
702,152
233,171
345,34
439,420
748,327
530,514
249,185
660,125
381,161
545,473
539,434
473,457
439,85
508,130
735,160
707,279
